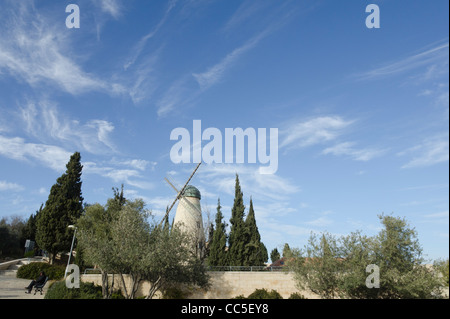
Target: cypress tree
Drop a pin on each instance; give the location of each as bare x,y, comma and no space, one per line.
275,255
217,246
166,226
63,207
264,253
29,231
238,234
287,253
255,252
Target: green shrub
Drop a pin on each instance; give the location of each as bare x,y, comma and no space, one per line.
117,295
264,294
58,290
32,270
296,295
174,293
87,290
442,266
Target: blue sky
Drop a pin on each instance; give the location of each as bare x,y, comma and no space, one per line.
362,114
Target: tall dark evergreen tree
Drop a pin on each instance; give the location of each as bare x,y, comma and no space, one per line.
29,231
275,255
63,207
287,252
217,246
238,233
166,220
256,252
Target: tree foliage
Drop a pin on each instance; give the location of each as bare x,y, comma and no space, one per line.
274,255
442,267
255,252
245,246
121,240
62,208
170,261
239,235
12,237
95,237
217,246
336,267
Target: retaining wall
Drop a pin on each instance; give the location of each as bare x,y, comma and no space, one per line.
227,284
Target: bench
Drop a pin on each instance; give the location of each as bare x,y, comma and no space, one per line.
40,287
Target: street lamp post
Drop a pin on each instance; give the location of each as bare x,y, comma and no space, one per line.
71,248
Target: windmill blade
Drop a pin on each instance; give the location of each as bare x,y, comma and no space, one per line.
168,182
183,197
179,194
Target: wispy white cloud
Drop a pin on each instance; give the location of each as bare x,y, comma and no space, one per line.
432,58
3,126
246,10
278,233
178,94
275,20
443,214
50,156
440,217
159,204
127,172
44,121
429,152
217,71
111,7
138,164
175,96
6,186
139,47
320,222
265,187
36,52
142,80
313,131
348,149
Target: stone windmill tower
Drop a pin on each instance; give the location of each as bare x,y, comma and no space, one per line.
189,214
189,217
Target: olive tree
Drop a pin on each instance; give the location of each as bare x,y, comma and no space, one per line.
317,266
172,262
337,267
127,241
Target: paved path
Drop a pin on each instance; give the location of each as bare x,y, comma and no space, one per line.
14,288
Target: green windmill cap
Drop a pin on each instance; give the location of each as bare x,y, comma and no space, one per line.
192,191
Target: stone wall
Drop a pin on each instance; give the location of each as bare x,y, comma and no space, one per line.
229,284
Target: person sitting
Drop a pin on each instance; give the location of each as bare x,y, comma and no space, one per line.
39,281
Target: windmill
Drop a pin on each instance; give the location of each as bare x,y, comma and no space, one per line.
189,214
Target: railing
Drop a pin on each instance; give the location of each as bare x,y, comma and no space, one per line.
246,268
88,271
216,268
